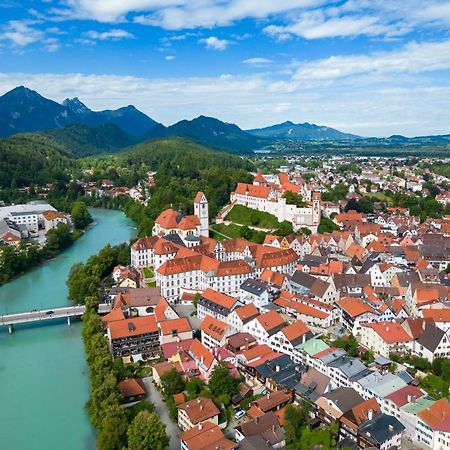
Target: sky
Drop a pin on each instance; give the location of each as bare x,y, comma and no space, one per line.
369,67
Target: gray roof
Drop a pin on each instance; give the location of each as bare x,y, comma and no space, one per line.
351,367
381,428
254,443
331,356
266,426
315,285
431,337
349,280
344,398
255,287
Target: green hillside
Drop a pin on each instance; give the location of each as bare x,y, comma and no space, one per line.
33,158
84,140
184,168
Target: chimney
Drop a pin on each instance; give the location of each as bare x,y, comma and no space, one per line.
200,426
391,428
198,400
268,396
409,398
423,325
370,414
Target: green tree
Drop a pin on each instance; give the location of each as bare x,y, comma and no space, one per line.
112,435
326,225
147,432
296,419
172,382
222,382
293,198
193,387
80,215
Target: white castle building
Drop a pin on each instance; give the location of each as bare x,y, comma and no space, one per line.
268,197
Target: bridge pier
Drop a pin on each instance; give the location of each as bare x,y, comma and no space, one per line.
68,320
10,328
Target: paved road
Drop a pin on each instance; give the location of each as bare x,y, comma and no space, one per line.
172,429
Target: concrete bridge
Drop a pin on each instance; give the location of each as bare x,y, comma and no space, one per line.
67,312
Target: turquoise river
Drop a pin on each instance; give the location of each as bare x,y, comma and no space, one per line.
43,379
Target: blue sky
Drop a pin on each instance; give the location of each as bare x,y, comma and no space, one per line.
371,67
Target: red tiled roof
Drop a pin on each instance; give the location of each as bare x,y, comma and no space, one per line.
270,320
437,416
405,395
201,353
218,298
295,330
199,409
133,327
171,219
390,332
252,190
180,325
438,315
214,327
247,312
131,387
354,306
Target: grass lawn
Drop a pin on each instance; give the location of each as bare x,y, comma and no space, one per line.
148,273
380,196
232,230
247,216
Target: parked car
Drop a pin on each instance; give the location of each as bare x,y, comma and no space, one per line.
49,312
239,413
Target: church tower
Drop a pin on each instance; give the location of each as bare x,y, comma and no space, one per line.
201,211
316,208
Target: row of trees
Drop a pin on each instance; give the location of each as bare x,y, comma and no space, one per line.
140,429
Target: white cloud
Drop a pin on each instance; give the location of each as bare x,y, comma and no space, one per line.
51,44
257,61
409,106
169,57
178,14
412,58
115,34
20,33
214,43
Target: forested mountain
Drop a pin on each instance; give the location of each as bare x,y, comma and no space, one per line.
83,140
33,158
301,131
24,110
215,133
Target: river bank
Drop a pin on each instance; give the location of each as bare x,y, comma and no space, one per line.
43,371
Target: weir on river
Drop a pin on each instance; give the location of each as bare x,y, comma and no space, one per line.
43,372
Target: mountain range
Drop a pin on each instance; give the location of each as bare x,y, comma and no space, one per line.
302,132
23,110
87,132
